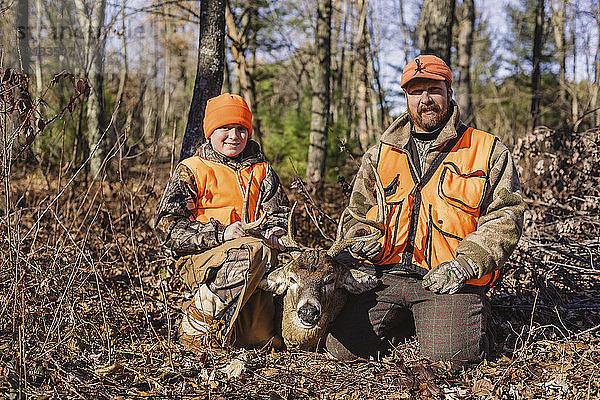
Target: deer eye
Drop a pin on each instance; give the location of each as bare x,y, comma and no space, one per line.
292,281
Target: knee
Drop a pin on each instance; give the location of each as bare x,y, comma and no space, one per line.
455,349
337,350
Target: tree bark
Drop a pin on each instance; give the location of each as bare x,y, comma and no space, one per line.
319,124
361,79
465,45
209,73
596,85
23,34
167,80
124,68
535,75
240,40
435,28
559,21
405,34
38,53
92,19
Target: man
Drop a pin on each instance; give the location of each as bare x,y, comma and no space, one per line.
199,220
454,215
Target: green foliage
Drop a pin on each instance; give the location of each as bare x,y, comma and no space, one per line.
287,140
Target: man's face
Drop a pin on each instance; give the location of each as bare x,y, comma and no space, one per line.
428,103
229,140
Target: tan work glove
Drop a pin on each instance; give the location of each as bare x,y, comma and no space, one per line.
448,277
366,250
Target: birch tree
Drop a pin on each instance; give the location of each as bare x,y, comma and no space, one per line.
319,126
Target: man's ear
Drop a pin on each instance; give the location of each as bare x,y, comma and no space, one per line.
357,282
275,282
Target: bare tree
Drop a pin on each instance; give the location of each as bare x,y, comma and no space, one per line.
361,78
209,73
38,53
537,55
91,17
559,20
435,28
465,44
596,86
241,39
319,125
23,34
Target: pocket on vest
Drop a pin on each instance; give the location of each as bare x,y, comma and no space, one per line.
226,215
462,189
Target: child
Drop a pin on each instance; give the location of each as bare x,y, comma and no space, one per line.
199,220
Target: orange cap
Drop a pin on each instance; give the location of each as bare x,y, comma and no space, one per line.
226,109
426,66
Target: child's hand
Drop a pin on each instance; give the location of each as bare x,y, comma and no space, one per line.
272,236
233,231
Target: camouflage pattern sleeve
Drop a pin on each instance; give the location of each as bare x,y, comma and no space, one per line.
275,204
501,222
362,197
174,224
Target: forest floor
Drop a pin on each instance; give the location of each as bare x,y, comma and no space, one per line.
90,304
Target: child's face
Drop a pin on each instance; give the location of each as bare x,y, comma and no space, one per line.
229,140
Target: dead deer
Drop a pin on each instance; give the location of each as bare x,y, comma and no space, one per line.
314,284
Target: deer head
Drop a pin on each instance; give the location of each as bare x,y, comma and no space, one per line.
314,284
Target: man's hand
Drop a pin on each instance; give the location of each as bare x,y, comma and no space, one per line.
447,278
233,231
272,236
365,249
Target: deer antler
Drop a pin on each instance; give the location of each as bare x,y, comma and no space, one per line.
288,240
340,243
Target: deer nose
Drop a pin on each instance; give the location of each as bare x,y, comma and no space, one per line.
309,314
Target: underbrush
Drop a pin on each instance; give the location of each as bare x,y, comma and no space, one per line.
90,304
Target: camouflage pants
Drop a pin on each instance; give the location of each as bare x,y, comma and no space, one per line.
227,307
448,327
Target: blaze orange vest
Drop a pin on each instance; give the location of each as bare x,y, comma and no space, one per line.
428,218
221,189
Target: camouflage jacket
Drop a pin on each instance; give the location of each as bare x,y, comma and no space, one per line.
501,220
183,235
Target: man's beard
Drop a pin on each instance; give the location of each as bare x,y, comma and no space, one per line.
433,121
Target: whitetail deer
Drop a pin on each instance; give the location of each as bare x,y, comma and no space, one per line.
314,284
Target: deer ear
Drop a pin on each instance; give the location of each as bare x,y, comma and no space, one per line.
275,281
358,282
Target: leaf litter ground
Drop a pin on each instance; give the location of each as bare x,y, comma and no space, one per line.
91,304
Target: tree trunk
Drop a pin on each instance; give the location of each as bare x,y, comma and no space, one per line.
361,79
596,85
535,75
209,73
124,68
167,79
92,18
559,21
574,99
405,34
319,124
465,44
38,53
23,34
435,28
239,45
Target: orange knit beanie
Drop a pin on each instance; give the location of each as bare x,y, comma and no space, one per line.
226,109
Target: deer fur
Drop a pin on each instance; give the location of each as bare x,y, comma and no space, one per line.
314,287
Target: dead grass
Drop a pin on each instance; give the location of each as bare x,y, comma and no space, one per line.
89,304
